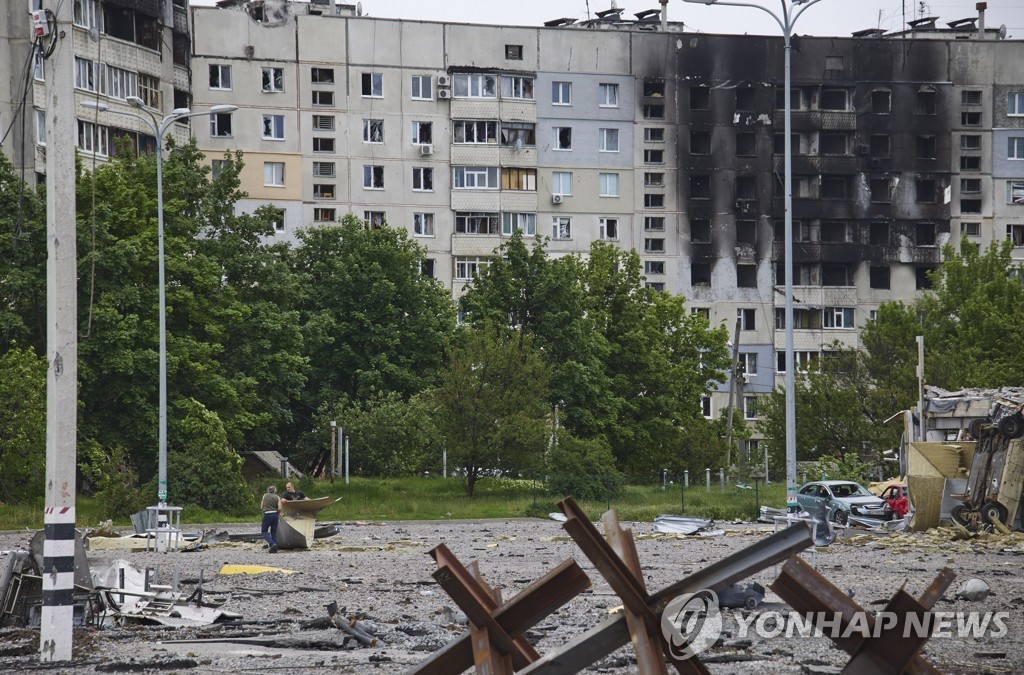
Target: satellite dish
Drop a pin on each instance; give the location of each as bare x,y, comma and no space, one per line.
359,9
1002,32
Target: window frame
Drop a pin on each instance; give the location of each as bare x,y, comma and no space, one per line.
275,83
474,85
369,125
371,85
561,228
561,93
512,221
423,224
1015,104
607,95
603,229
558,183
424,176
519,87
322,98
608,184
276,176
373,177
276,125
609,139
469,178
416,86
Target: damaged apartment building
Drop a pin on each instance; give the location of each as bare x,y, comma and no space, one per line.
629,129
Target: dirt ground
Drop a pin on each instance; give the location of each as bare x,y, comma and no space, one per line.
381,573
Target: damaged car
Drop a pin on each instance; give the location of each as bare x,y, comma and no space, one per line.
837,500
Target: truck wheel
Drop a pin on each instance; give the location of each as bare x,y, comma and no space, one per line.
993,509
1012,426
975,428
959,514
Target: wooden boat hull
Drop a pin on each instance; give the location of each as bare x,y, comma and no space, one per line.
297,524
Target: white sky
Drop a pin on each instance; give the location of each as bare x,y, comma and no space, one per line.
828,17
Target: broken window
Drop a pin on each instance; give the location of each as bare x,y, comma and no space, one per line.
476,222
923,277
273,127
971,186
969,163
970,206
878,277
654,267
700,274
700,142
835,275
422,179
700,231
881,102
879,146
747,317
654,245
1014,191
324,99
373,131
608,228
746,276
835,231
1015,233
654,88
517,87
794,99
970,118
925,188
323,144
561,138
746,232
926,147
220,125
561,227
372,85
654,135
746,144
518,134
654,111
375,219
833,66
474,131
833,99
971,229
926,102
700,187
925,234
835,187
321,75
324,191
746,99
833,144
273,80
780,143
880,190
373,177
700,98
654,223
746,188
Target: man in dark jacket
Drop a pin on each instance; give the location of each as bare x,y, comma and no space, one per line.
270,505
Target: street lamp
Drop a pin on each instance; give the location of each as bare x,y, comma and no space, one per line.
790,14
159,129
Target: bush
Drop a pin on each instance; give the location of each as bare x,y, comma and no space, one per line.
849,467
22,426
583,469
116,480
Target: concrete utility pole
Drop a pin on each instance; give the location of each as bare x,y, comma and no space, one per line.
61,347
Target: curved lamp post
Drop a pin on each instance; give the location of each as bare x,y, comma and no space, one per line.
790,13
159,128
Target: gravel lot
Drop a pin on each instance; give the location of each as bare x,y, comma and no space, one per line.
380,572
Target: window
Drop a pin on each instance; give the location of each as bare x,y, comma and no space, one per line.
278,219
1014,191
469,222
700,230
655,285
803,319
700,98
608,185
654,245
654,267
750,407
970,163
273,127
93,138
654,135
970,97
835,275
1015,103
373,131
748,363
324,169
700,274
479,177
422,133
324,215
654,201
422,87
1015,147
561,183
833,99
467,267
220,125
374,219
608,228
654,111
926,147
878,277
746,232
514,52
427,267
324,99
41,127
608,95
273,174
609,140
422,179
779,143
87,13
746,188
324,191
523,222
837,317
518,134
515,178
971,186
880,190
833,187
654,179
833,144
561,93
654,223
561,138
705,406
323,122
970,206
970,118
971,229
321,75
881,102
925,188
85,74
879,147
423,224
700,187
517,87
970,142
372,85
700,142
926,102
746,144
654,88
474,131
746,99
1015,233
474,85
149,90
118,82
746,276
323,144
273,80
804,361
923,277
561,227
373,177
654,156
38,64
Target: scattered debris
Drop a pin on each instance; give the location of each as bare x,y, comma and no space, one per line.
973,590
747,596
253,569
683,525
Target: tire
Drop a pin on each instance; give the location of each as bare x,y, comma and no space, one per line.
991,509
1012,426
840,517
959,514
975,428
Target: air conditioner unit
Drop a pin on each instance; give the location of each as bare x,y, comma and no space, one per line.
444,81
444,94
557,199
426,149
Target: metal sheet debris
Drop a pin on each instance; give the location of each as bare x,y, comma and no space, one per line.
253,569
684,525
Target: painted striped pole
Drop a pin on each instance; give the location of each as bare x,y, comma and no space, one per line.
61,346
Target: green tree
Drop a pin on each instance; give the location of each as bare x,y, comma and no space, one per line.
390,436
489,407
584,469
22,262
22,425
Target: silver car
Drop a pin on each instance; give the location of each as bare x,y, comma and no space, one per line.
837,500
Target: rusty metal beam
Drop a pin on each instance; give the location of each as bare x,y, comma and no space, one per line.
613,633
522,612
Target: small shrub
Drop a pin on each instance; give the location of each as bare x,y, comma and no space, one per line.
848,467
116,480
583,469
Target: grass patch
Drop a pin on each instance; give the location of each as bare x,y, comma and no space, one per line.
445,499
